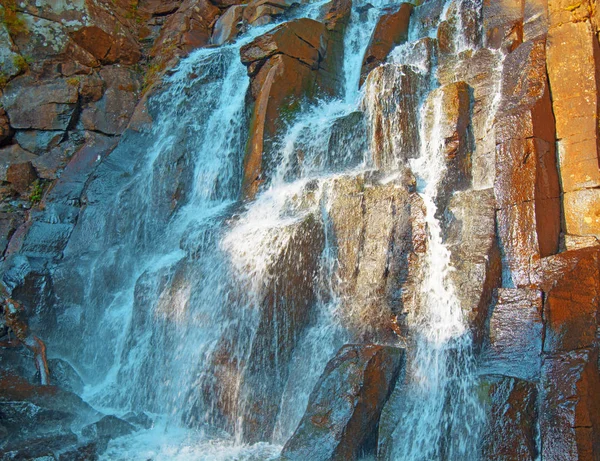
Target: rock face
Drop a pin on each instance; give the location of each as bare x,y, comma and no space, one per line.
288,66
343,413
391,30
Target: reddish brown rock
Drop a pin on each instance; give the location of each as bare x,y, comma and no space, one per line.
572,304
511,411
111,113
21,176
514,344
390,31
570,407
228,26
261,12
106,48
342,417
5,129
526,184
188,28
47,105
285,66
13,154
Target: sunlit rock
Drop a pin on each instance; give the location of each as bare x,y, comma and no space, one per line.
342,417
391,30
227,26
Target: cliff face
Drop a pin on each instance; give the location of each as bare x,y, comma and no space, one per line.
226,198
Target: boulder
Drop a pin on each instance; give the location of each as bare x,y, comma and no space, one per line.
228,26
526,186
511,417
109,427
342,417
38,142
514,345
570,406
391,30
21,176
46,105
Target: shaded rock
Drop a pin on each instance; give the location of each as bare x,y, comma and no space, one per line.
111,114
514,345
570,406
261,12
342,417
21,176
471,239
347,142
5,129
140,419
40,448
228,26
65,376
87,452
9,223
391,30
511,413
526,184
392,105
40,106
39,142
109,427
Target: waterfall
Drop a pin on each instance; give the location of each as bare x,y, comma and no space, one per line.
194,328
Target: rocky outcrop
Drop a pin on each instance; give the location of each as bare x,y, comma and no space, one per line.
342,417
391,30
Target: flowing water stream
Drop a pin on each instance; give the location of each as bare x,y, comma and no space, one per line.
179,333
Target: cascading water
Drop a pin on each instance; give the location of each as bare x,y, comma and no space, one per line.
184,334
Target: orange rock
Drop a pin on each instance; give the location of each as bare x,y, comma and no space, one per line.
227,26
390,31
503,23
107,48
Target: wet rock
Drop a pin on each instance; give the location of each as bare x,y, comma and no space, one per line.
39,449
448,125
572,304
461,29
285,69
511,413
575,104
87,452
526,184
39,142
376,227
503,24
140,419
286,308
471,239
228,26
342,417
514,345
109,427
261,12
49,105
348,142
391,30
392,107
570,406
